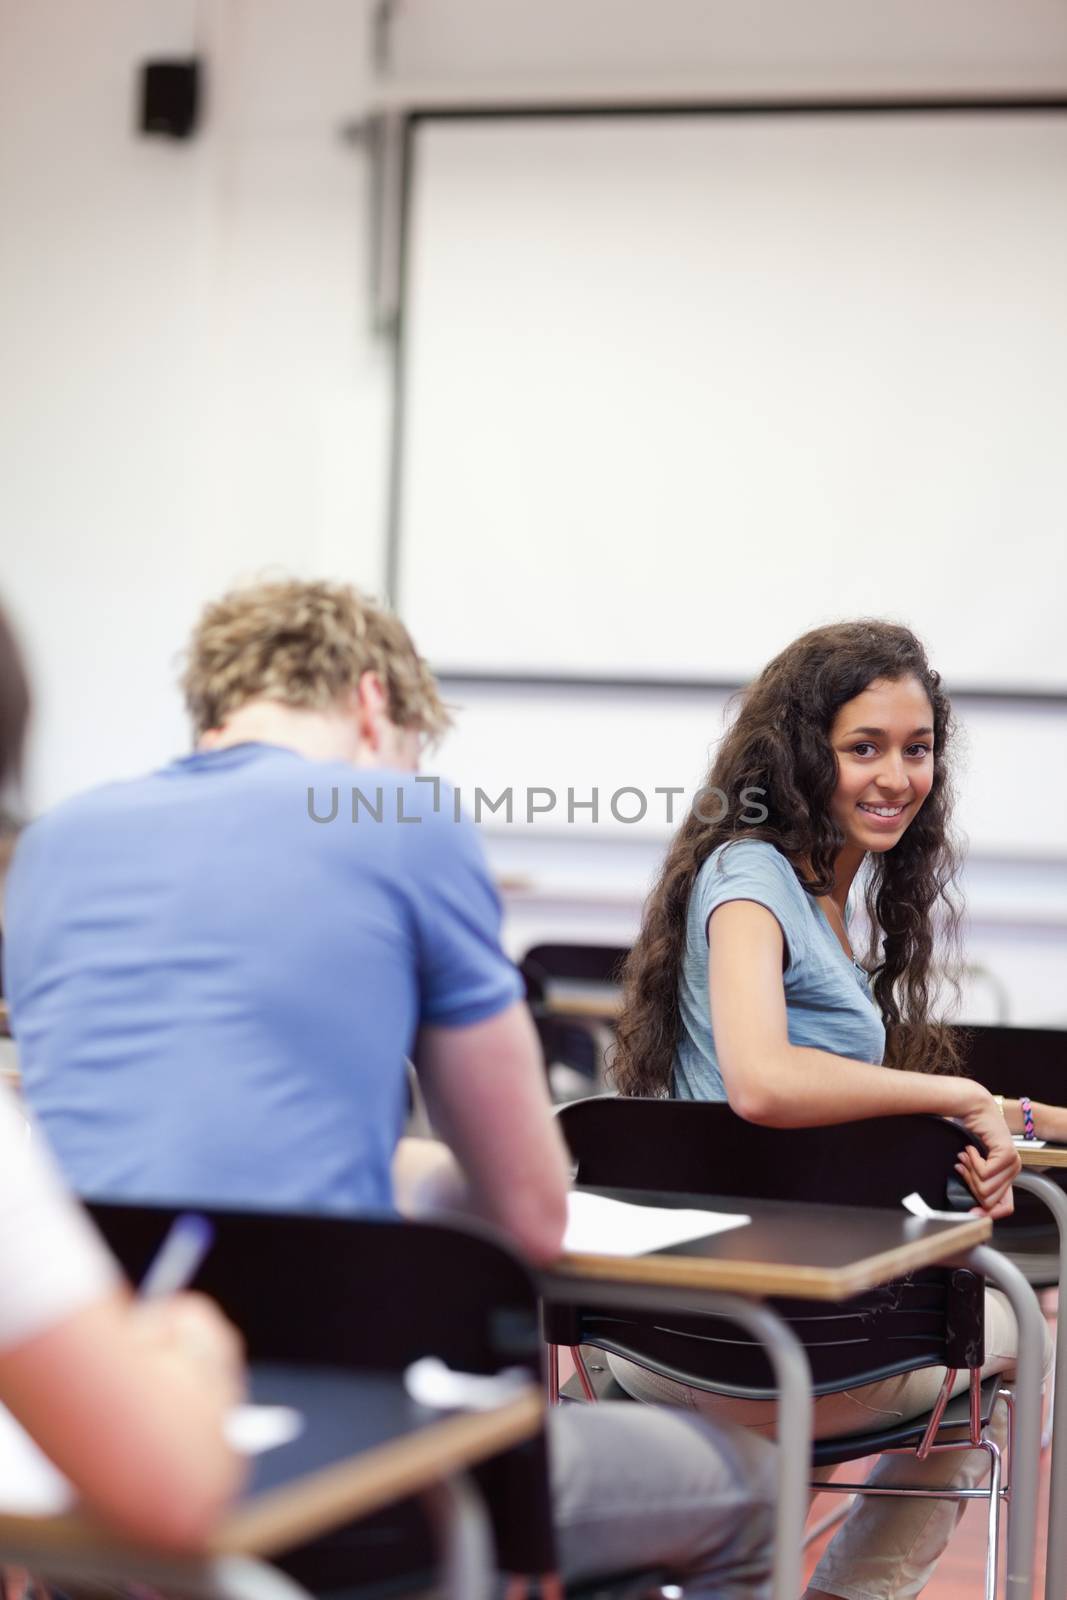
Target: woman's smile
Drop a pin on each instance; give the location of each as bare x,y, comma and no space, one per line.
882,816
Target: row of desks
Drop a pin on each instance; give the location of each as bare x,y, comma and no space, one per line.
815,1252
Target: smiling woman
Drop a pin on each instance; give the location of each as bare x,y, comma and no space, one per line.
848,734
744,986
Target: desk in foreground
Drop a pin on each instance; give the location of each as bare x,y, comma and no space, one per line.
811,1252
364,1445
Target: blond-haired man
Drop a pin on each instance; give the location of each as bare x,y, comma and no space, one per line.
216,973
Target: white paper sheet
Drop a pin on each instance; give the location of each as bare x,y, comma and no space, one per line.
30,1486
598,1226
431,1383
1028,1144
252,1430
918,1207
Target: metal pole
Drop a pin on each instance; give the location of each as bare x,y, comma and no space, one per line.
792,1375
1056,1559
466,1541
1022,1522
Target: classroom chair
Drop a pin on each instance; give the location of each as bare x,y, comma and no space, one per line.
931,1318
578,1044
378,1294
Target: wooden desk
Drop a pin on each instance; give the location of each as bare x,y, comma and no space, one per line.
590,1002
1053,1155
815,1252
364,1444
812,1252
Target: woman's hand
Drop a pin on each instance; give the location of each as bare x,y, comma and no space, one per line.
989,1177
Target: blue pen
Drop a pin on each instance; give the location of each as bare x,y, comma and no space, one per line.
177,1261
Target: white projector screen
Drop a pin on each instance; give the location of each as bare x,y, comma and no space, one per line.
678,387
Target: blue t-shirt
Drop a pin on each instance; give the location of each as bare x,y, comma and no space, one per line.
213,994
827,997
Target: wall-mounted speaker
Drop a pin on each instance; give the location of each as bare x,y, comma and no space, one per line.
170,98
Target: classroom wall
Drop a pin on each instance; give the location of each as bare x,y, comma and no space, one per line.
192,391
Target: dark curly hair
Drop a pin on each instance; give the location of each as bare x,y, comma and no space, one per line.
14,704
779,743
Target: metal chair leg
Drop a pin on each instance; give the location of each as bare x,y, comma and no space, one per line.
936,1414
992,1558
976,1407
583,1373
1008,1397
1050,1402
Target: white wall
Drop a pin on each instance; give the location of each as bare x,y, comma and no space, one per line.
747,46
190,391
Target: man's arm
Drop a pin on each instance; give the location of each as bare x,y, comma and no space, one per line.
486,1094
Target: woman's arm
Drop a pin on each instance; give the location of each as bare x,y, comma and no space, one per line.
128,1398
1050,1122
770,1081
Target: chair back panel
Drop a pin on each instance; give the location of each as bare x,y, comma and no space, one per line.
1014,1062
702,1147
374,1293
572,963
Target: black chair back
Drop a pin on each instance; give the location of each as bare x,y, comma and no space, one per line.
564,1039
932,1317
375,1294
1014,1062
571,963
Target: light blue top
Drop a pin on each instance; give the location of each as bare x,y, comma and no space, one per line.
213,993
828,999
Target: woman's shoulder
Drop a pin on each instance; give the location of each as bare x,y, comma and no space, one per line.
751,858
753,869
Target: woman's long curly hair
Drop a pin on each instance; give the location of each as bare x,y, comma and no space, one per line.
779,744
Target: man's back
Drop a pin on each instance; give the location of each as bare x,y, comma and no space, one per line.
214,993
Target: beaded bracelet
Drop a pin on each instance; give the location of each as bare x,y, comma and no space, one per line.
1028,1118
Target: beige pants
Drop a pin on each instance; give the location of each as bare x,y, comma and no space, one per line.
886,1549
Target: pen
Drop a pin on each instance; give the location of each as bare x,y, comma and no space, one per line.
177,1261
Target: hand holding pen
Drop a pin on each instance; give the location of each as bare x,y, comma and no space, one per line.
185,1326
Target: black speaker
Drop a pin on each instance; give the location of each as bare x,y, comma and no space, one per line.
170,98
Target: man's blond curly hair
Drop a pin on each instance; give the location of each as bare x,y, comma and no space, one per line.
304,645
